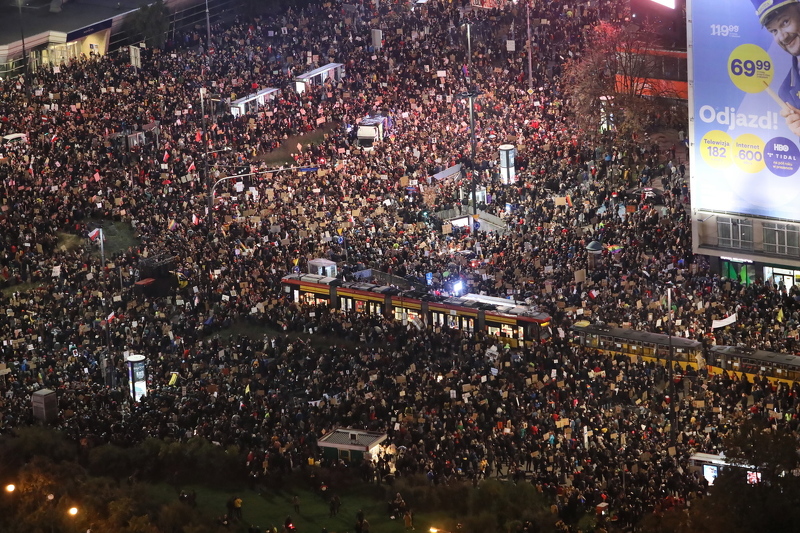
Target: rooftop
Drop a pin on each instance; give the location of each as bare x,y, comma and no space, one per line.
353,437
36,16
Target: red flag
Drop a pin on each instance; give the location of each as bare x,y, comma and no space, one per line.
191,167
166,156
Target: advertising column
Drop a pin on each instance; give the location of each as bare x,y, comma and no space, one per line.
137,376
745,106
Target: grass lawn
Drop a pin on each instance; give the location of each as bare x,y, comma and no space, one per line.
256,331
271,508
283,154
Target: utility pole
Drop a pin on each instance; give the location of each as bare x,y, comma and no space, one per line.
471,93
672,404
530,49
22,34
208,29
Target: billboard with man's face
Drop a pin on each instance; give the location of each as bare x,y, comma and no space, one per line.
744,100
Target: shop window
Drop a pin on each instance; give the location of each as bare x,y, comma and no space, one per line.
735,233
781,239
743,272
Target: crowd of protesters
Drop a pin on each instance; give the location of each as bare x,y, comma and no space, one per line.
584,427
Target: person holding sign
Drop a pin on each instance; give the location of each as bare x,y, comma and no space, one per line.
782,19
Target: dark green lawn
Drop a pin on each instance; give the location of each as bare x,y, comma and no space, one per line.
270,509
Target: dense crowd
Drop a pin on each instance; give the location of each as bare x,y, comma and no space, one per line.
583,426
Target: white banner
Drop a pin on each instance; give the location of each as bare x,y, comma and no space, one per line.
724,322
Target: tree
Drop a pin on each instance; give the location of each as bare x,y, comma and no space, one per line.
150,23
611,82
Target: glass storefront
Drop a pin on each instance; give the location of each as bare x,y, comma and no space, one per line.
55,54
745,273
781,277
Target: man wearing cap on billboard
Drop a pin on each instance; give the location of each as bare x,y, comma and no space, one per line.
782,19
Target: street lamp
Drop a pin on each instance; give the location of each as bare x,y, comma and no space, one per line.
11,488
530,50
22,34
672,417
471,93
72,511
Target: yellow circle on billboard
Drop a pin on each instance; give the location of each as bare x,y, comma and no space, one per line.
750,68
748,153
717,148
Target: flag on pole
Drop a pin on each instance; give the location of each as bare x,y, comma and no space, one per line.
95,233
172,225
195,219
569,200
166,156
191,167
111,316
174,379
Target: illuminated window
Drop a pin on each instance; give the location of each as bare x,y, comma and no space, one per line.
735,233
781,239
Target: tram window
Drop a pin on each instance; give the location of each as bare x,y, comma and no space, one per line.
360,306
507,330
410,314
592,340
648,350
469,324
495,331
452,321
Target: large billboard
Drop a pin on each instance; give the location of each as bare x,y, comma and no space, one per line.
744,93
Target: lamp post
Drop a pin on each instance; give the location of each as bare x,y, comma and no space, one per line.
471,93
208,29
672,417
22,34
530,51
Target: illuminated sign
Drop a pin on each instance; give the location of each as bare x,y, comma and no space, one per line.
745,155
